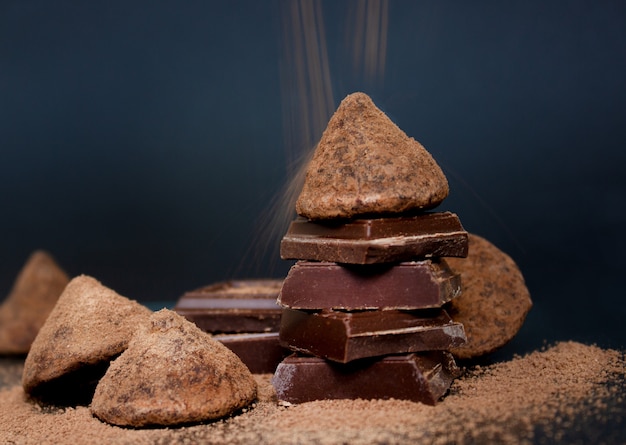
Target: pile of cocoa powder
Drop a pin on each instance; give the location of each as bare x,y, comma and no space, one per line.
569,392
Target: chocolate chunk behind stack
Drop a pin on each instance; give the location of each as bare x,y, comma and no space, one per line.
232,307
241,314
172,373
89,325
35,292
494,300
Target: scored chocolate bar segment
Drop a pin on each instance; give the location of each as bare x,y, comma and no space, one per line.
233,306
377,240
347,336
261,352
424,377
410,285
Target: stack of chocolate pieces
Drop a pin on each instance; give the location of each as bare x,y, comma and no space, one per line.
241,314
363,305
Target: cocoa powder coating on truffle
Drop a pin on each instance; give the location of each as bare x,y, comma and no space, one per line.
172,373
35,292
89,324
494,299
364,164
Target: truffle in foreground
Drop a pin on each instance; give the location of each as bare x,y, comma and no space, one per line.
172,373
89,325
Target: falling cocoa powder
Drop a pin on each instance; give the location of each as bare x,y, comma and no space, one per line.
568,393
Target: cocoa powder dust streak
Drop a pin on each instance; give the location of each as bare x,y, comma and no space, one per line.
307,95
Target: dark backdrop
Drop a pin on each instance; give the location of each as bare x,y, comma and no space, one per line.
142,142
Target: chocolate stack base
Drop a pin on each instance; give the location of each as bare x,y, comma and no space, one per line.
423,378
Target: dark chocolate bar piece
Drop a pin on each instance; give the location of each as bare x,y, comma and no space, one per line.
347,336
424,377
412,285
233,306
261,352
376,240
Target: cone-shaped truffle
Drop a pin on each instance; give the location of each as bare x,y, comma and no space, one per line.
364,164
494,299
90,324
172,373
35,292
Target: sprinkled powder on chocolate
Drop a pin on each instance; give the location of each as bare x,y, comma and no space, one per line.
568,392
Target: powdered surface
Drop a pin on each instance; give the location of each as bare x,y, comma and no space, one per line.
90,324
172,373
365,164
36,290
568,393
494,299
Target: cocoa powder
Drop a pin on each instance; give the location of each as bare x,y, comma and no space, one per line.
569,392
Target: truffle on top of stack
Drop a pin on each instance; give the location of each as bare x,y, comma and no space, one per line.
363,306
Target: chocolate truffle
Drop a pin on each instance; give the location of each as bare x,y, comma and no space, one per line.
90,324
494,299
172,373
365,165
35,292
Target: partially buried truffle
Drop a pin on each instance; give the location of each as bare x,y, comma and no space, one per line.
35,292
89,325
494,299
172,373
364,164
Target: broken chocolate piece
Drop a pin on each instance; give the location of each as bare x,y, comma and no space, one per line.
410,285
347,336
233,306
424,377
365,164
379,240
260,351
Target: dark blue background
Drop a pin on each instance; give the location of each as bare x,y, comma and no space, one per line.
141,142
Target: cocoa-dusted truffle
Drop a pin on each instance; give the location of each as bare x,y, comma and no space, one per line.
90,324
35,292
494,299
172,373
364,165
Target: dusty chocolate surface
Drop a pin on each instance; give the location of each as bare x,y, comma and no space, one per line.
567,393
